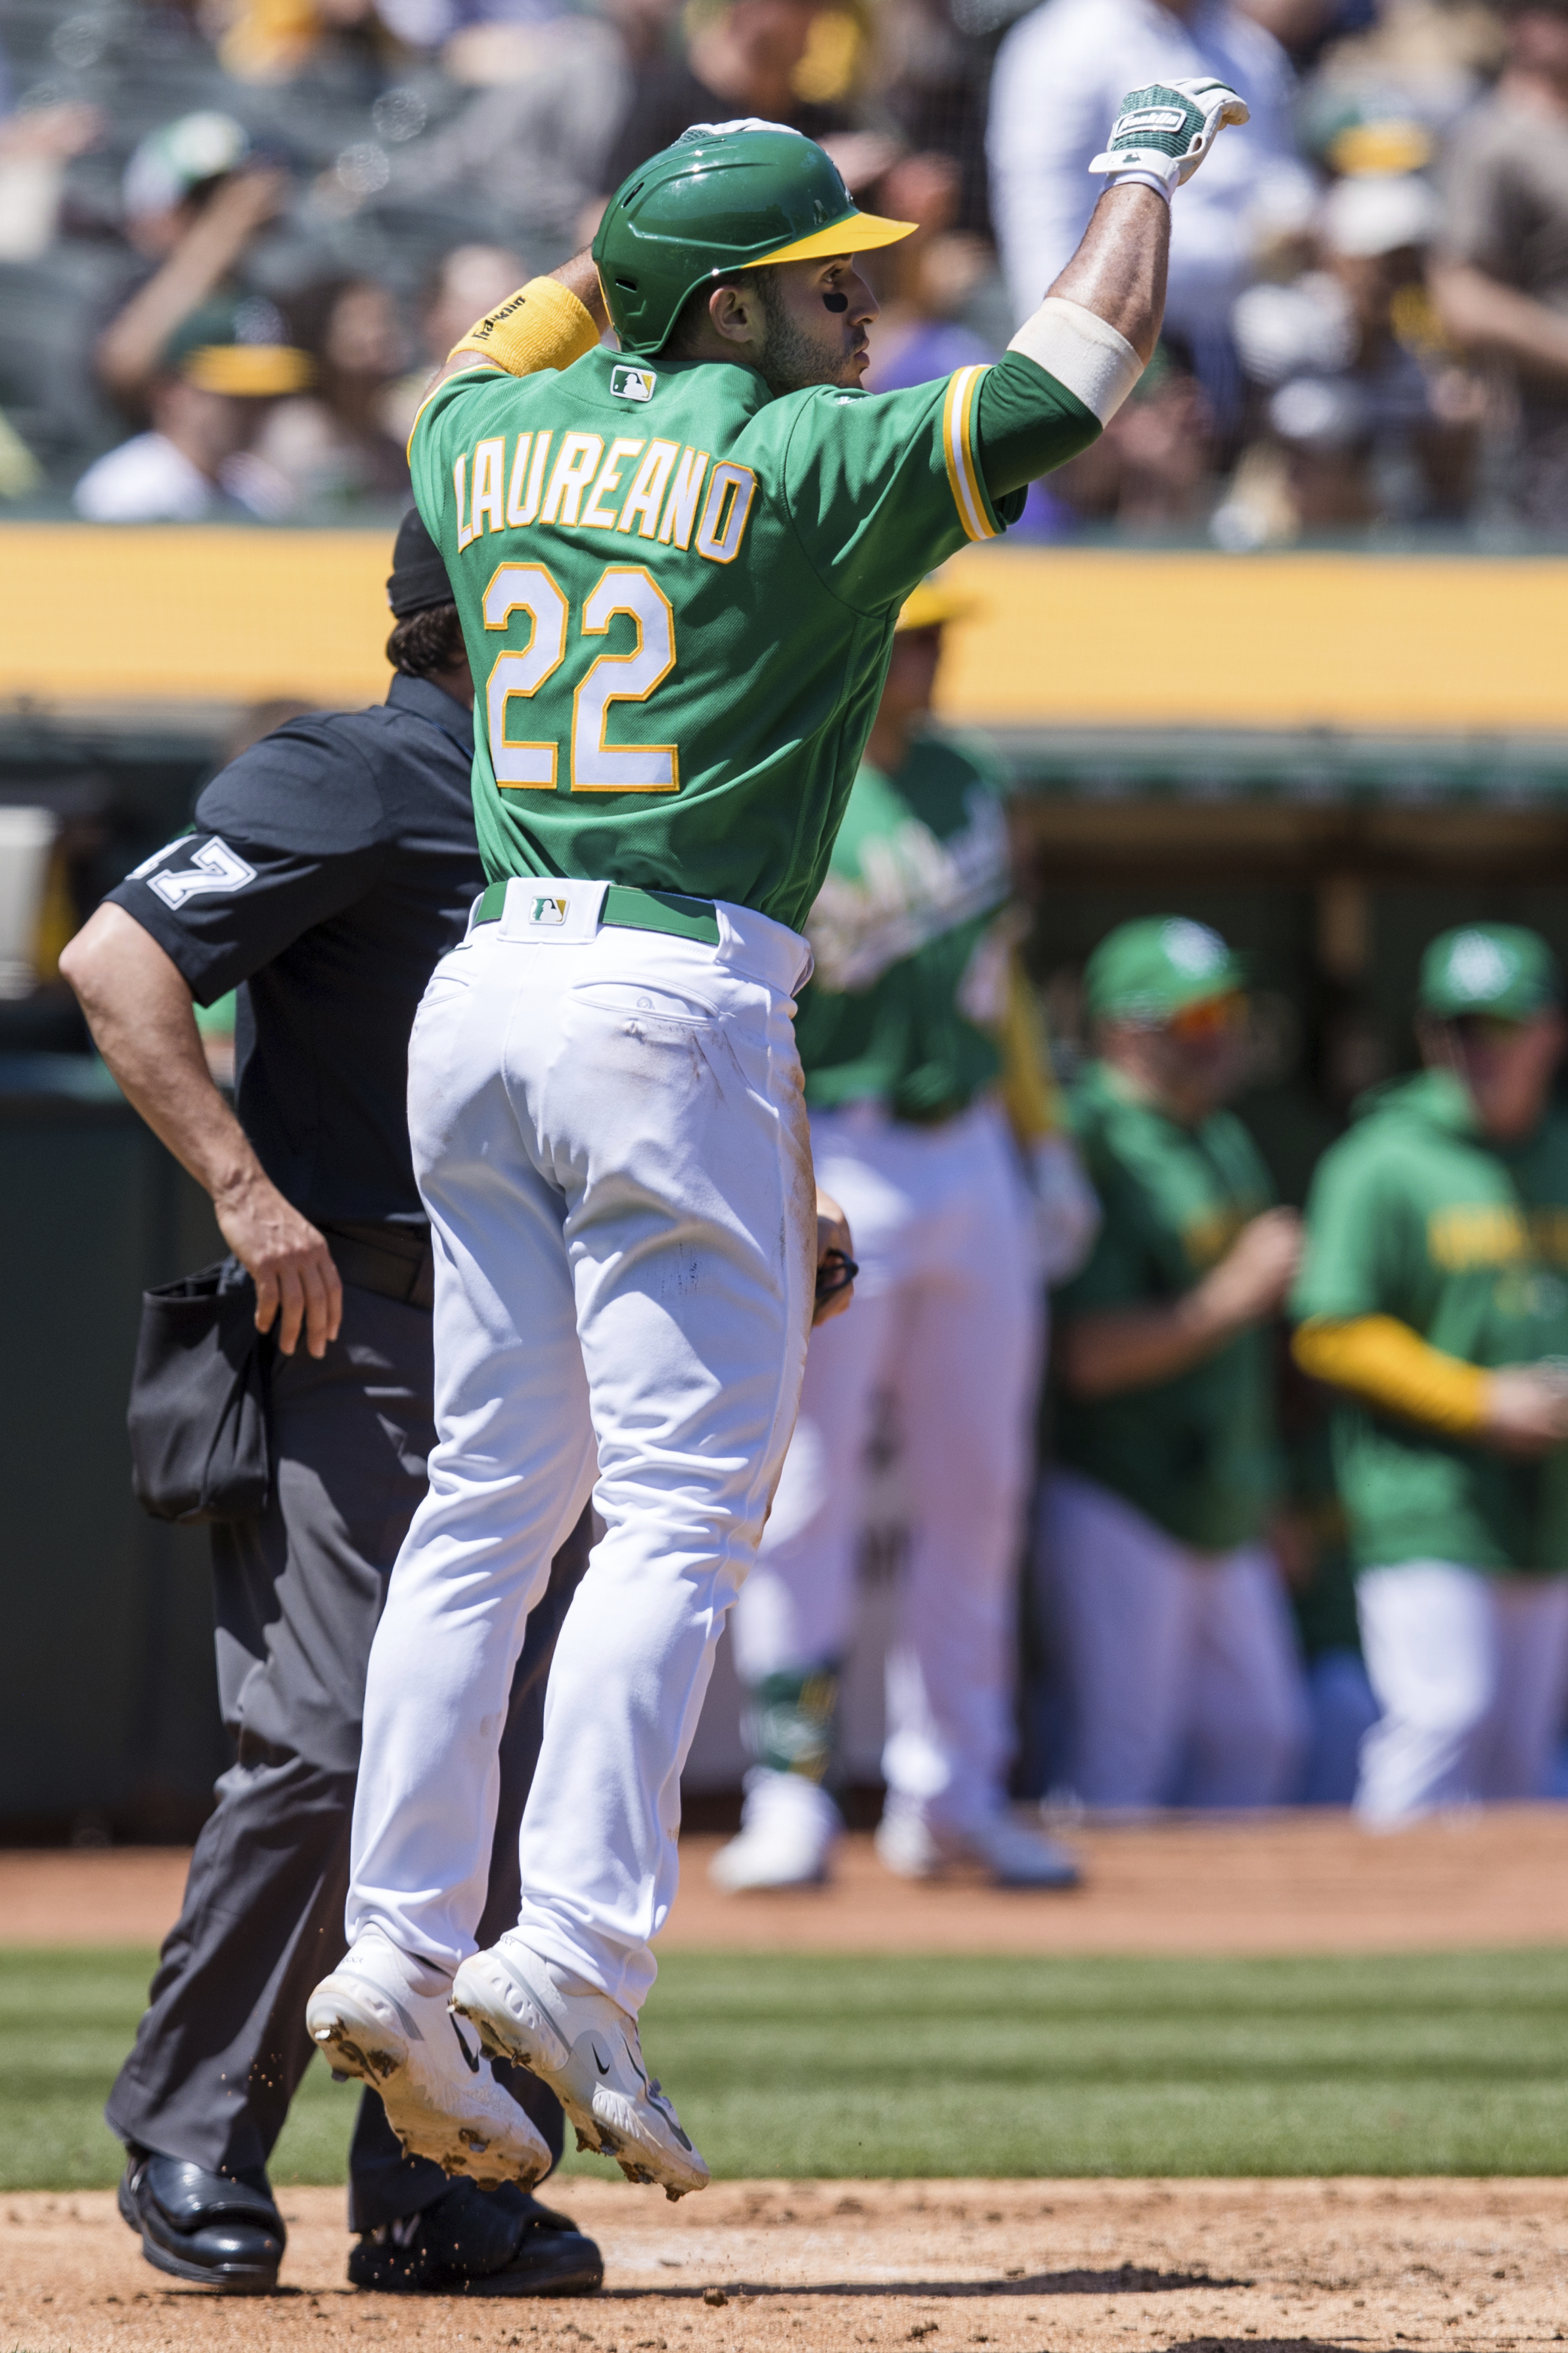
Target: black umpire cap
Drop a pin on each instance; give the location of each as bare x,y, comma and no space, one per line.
418,577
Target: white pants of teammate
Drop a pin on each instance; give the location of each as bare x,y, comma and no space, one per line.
1472,1675
1179,1668
610,1138
946,1316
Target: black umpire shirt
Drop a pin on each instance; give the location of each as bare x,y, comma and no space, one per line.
331,867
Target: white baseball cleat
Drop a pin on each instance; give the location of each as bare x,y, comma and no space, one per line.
586,2047
440,2097
1014,1854
787,1832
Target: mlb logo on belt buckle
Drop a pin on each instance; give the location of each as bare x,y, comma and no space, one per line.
547,914
633,383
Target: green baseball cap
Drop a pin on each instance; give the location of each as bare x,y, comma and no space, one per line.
1500,970
1148,970
239,347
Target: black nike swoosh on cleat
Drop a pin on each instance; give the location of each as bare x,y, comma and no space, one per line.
598,2062
471,2058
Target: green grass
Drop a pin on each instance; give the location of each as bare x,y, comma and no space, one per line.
800,2065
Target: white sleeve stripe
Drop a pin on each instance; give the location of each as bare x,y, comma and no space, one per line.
1082,351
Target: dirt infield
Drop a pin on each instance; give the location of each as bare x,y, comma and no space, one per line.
761,2267
1288,1884
1077,2266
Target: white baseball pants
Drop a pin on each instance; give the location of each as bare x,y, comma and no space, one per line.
1179,1668
947,1316
610,1137
1472,1672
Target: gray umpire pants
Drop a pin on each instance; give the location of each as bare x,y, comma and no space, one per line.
222,2045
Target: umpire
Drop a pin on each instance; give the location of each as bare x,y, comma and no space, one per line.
330,867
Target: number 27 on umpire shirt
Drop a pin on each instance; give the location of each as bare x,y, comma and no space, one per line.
678,594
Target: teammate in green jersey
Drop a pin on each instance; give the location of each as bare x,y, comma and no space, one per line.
903,1033
678,570
1182,1680
1434,1296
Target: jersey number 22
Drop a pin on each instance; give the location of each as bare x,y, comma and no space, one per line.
596,766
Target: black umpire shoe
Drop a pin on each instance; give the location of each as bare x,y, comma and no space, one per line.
476,2241
210,2228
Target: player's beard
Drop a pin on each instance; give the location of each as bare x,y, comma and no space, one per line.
791,359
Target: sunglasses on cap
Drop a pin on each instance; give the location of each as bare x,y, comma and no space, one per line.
1209,1017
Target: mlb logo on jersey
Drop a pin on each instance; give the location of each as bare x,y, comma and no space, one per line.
633,383
548,910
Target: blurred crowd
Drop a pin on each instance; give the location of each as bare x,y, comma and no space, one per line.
236,235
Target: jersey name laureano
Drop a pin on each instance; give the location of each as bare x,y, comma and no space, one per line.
658,490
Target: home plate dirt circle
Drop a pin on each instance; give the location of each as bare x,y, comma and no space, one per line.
762,2267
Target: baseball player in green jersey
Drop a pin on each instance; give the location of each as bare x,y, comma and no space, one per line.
1182,1681
1435,1297
677,569
902,1035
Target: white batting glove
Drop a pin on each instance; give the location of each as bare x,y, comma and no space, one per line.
1164,132
1066,1213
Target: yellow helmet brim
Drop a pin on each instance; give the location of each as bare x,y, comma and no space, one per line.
856,233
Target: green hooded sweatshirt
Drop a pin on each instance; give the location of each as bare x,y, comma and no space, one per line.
1414,1214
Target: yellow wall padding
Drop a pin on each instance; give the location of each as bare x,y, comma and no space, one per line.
1082,638
97,613
93,613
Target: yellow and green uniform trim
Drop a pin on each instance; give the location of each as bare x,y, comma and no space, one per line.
958,416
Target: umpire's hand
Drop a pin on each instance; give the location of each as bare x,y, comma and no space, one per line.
297,1285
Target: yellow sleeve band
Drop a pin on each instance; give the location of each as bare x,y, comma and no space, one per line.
1028,1089
958,447
1383,1361
543,325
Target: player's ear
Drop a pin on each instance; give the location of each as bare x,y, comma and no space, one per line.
736,312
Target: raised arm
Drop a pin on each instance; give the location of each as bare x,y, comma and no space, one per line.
1118,273
1098,324
128,349
547,323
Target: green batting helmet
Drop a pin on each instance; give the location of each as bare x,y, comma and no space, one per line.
726,196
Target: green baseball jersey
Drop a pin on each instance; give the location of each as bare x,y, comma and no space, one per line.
1414,1214
677,594
911,961
1197,1454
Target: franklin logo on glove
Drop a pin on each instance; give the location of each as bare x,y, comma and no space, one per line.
1151,117
1164,132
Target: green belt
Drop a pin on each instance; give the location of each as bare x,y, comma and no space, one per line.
632,910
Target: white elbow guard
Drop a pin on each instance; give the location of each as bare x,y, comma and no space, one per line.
1082,351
